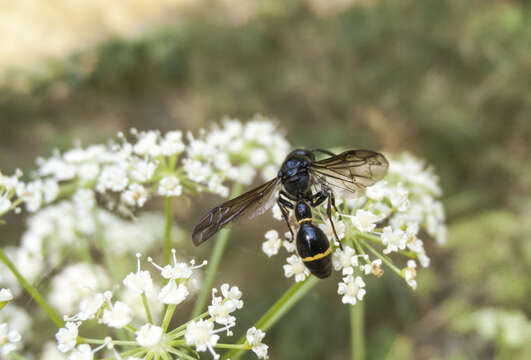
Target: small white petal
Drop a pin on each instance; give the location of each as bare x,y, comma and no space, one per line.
149,335
173,294
119,316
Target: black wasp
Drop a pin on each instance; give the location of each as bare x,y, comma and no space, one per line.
302,183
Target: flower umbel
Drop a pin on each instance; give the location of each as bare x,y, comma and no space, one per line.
153,164
151,337
384,222
378,229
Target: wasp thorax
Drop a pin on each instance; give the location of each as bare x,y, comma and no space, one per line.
302,210
294,172
301,153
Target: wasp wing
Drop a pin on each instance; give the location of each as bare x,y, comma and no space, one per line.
250,204
350,171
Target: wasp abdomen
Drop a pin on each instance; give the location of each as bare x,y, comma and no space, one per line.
314,249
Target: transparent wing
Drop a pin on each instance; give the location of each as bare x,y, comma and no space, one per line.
248,205
350,171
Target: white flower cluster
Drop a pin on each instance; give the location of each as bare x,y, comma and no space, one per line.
9,334
235,152
67,230
201,333
151,339
11,192
153,164
386,220
223,306
67,226
203,336
254,338
176,290
73,283
5,296
33,194
382,223
8,339
423,186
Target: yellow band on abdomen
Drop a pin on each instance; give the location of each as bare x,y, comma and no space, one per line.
318,256
304,220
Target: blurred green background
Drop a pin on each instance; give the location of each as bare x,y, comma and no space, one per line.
449,81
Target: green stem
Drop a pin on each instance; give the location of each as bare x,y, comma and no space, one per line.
85,253
168,315
213,264
103,341
168,210
357,331
370,237
172,161
359,249
231,346
164,355
138,352
32,291
146,308
385,259
16,356
409,254
130,328
181,354
378,240
107,256
279,309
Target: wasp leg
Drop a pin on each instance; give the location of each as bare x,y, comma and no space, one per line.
283,204
324,152
289,196
329,215
333,198
318,198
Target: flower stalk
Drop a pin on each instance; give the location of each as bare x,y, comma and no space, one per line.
107,253
384,258
32,291
146,308
167,316
16,356
277,311
168,211
213,264
357,333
